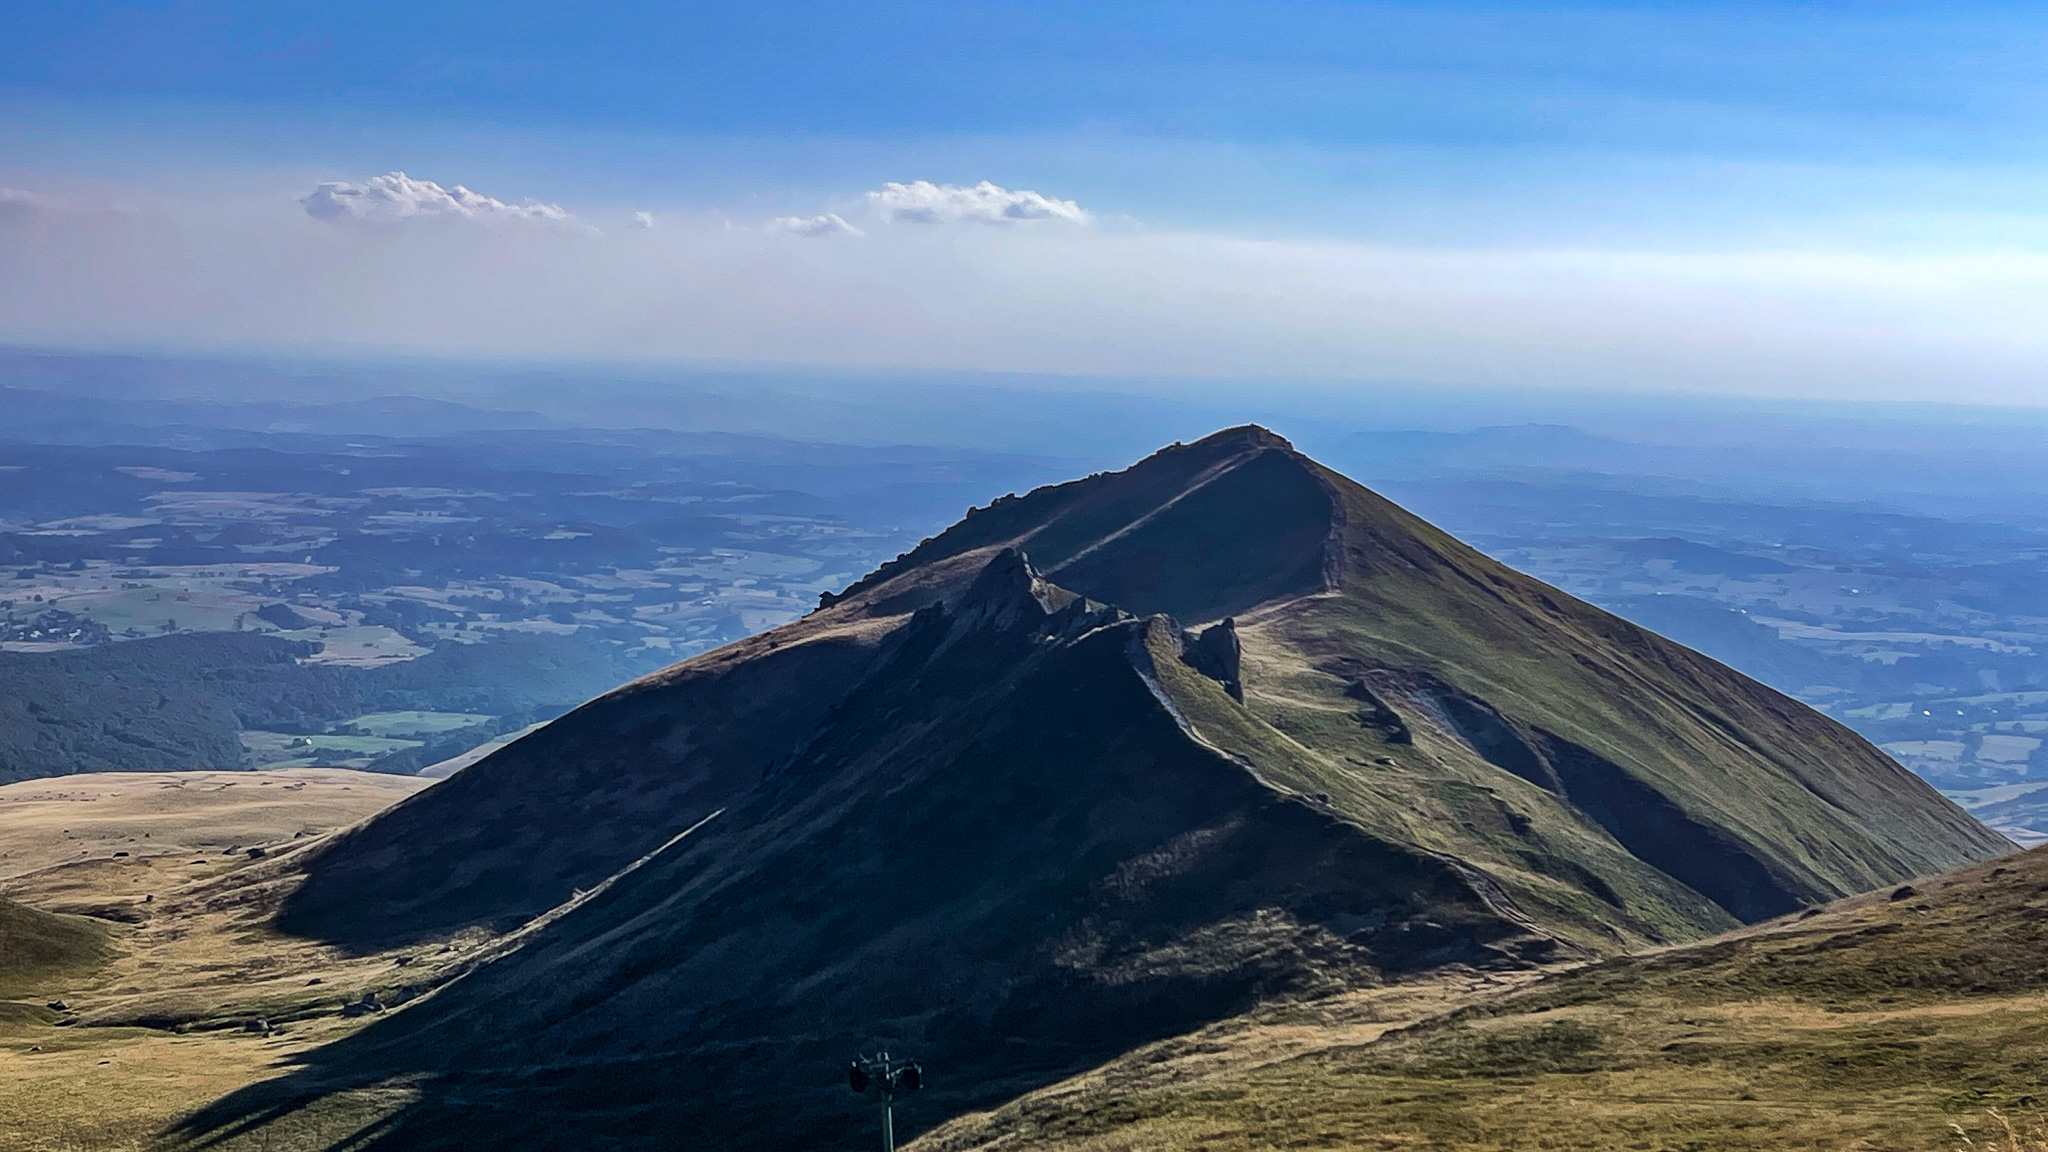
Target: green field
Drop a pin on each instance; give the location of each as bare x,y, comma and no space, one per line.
360,646
415,723
290,750
153,610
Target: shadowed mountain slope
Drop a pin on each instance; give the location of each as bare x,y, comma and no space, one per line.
1873,1024
1009,812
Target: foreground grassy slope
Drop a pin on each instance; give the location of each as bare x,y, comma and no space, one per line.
88,817
176,953
1873,1024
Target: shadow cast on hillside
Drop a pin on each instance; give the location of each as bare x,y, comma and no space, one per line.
386,1089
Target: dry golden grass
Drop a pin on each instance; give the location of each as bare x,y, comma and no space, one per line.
115,1089
2029,1134
157,1029
92,815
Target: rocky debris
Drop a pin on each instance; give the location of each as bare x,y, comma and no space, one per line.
58,1006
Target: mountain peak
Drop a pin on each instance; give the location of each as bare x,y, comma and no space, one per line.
1197,531
1243,436
1095,765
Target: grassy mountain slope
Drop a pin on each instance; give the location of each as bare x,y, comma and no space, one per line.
169,952
1446,701
1874,1024
37,947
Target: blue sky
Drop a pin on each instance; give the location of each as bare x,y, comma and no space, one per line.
1564,187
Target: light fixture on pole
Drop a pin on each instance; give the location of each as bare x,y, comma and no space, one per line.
885,1076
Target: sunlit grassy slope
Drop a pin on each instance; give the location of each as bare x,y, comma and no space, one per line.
174,956
1619,788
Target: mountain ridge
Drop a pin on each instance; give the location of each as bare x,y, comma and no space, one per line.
1101,763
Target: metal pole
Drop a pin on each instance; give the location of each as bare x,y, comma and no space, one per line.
888,1124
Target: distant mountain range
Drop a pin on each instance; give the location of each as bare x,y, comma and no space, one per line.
1099,764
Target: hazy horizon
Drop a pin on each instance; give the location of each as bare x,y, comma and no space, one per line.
1732,200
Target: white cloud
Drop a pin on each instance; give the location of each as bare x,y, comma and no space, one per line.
923,202
827,224
395,198
642,221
